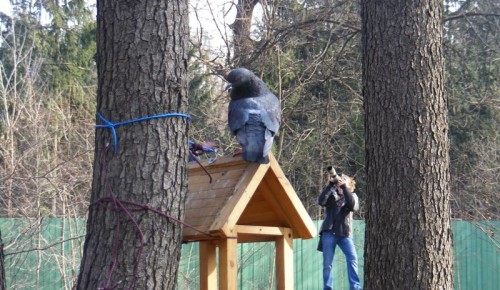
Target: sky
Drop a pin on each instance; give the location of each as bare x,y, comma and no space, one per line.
210,17
5,6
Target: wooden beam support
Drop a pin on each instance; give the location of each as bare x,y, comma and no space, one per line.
253,234
243,192
292,205
208,265
260,230
228,264
284,261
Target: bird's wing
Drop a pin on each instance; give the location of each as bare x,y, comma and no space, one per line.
271,116
237,115
267,106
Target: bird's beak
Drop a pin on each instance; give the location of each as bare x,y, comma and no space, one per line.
229,87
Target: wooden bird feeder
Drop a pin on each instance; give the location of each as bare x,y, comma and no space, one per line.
246,202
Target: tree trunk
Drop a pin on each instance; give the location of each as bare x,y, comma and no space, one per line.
408,234
3,282
243,45
142,71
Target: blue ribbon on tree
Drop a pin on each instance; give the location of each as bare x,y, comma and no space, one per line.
112,126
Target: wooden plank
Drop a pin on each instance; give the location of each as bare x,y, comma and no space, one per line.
259,210
282,200
269,193
257,206
284,261
202,222
201,227
255,239
208,265
228,263
257,197
260,230
220,162
219,174
199,234
217,168
295,211
207,211
216,184
208,194
205,200
199,203
192,236
254,234
261,218
244,190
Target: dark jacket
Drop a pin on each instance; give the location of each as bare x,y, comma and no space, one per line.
338,214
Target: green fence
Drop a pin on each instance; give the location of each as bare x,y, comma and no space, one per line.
55,265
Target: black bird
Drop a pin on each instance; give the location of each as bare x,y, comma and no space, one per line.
254,114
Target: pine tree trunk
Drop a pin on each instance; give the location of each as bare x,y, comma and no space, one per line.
3,282
241,27
142,71
408,234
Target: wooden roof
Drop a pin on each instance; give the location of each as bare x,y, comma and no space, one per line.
242,194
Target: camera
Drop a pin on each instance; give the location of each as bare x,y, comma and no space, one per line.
336,177
333,173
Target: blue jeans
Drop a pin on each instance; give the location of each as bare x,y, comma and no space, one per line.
330,242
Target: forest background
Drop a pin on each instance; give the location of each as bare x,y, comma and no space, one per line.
308,52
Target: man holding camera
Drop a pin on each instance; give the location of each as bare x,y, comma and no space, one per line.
339,202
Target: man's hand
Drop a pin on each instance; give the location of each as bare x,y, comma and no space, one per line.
338,181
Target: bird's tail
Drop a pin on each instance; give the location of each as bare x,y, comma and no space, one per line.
253,156
258,143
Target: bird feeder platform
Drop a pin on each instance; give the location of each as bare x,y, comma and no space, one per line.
245,202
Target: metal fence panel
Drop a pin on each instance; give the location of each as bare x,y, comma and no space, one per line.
55,265
476,255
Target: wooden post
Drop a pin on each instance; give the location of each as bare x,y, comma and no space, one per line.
228,264
284,261
208,265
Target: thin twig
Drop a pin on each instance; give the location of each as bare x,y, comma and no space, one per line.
45,247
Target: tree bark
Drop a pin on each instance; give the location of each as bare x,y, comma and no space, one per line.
3,282
142,71
243,46
408,234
